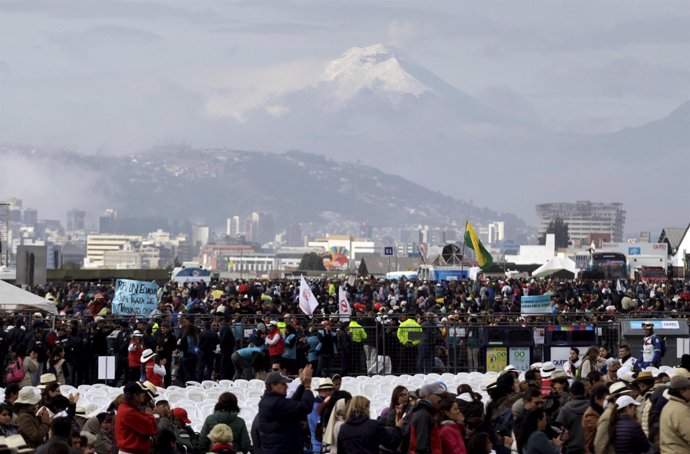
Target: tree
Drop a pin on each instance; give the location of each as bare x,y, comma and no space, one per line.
311,262
560,229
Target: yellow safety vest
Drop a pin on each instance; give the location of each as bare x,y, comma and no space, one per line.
410,326
357,332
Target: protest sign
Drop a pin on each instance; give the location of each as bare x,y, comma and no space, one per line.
135,297
540,304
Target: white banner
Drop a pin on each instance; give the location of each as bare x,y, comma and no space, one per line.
307,300
540,304
344,308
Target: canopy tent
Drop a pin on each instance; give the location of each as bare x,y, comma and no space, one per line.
557,267
14,299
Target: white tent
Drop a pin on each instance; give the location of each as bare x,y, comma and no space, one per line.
14,299
556,265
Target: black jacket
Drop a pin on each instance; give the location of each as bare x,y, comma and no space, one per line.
361,435
280,421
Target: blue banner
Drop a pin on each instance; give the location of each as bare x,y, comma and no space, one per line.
540,304
135,297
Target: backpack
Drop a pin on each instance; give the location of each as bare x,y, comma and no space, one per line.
15,373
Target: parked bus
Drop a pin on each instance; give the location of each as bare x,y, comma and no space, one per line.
606,265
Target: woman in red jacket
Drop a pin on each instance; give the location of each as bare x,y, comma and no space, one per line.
154,371
451,427
135,349
135,425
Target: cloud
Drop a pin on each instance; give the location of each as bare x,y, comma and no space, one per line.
104,9
233,92
43,184
403,32
620,77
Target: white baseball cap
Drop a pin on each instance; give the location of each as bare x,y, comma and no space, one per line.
624,401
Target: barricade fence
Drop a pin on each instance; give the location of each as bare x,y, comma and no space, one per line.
384,344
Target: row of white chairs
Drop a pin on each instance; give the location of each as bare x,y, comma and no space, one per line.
199,398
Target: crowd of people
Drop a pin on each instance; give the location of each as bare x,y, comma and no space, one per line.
232,329
543,411
239,329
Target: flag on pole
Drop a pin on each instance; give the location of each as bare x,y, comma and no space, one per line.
307,300
344,308
472,241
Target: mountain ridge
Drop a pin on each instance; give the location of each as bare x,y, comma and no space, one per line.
294,186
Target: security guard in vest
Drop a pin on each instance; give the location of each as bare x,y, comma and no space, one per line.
410,336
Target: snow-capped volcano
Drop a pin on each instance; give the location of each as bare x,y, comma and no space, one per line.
375,68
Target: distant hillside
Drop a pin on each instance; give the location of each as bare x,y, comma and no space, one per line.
211,185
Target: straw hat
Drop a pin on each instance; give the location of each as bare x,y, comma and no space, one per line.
46,379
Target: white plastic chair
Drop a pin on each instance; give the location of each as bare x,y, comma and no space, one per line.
196,395
208,384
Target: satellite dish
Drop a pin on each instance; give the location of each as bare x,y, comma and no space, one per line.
451,254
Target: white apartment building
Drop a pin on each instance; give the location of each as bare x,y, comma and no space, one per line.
584,218
98,245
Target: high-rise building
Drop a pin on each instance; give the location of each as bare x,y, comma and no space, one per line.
233,226
201,233
75,220
30,217
107,224
497,232
584,218
294,236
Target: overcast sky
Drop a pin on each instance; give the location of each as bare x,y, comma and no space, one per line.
119,76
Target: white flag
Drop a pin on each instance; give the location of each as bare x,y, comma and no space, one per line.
344,308
307,300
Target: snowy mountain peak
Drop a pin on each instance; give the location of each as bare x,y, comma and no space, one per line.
375,68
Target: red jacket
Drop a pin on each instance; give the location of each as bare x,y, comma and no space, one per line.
429,433
134,429
151,375
451,438
277,348
134,356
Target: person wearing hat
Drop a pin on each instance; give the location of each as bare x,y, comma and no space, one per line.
424,432
324,390
221,437
280,418
135,424
226,412
32,426
154,371
644,382
184,433
626,435
601,437
675,417
651,348
546,370
560,394
135,349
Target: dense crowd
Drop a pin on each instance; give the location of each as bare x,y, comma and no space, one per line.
541,411
232,329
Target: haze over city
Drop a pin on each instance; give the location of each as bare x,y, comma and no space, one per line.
504,104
